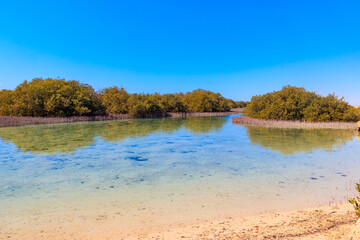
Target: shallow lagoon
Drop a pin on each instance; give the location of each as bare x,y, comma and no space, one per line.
138,174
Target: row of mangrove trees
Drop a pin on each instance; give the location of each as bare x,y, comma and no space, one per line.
296,103
61,98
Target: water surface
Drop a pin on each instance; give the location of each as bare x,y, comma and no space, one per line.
138,174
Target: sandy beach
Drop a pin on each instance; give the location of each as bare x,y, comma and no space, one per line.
335,222
319,223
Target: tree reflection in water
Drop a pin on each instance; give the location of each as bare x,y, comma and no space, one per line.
66,138
290,141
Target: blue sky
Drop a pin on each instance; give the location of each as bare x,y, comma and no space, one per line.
237,48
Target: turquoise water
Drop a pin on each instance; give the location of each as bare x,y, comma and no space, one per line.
160,171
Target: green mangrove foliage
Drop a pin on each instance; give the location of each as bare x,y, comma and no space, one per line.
60,98
294,103
239,104
119,101
50,98
143,104
115,100
206,101
171,102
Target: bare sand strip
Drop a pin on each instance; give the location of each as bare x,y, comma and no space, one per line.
336,222
293,124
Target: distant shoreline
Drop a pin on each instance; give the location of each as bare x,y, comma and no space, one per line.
13,121
293,123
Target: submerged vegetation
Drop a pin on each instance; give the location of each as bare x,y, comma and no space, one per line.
60,98
294,103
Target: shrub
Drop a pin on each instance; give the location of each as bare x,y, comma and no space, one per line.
293,103
356,202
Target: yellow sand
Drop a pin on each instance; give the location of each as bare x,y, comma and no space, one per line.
337,222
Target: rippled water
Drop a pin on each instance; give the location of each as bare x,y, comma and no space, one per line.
156,171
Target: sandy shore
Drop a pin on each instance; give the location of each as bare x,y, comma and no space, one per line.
321,223
336,222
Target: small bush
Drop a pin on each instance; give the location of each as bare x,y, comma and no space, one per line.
356,202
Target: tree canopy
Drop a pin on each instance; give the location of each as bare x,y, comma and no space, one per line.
119,101
295,103
60,98
50,98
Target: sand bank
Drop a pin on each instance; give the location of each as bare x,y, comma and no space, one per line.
336,222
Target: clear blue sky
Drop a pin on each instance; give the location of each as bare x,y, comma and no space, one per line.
237,48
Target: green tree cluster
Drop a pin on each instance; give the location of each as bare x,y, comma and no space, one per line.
119,101
115,100
294,103
238,104
60,98
50,98
205,101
